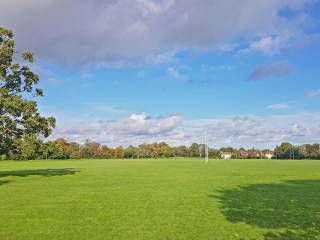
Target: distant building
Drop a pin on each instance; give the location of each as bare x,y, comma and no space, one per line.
269,155
226,155
244,154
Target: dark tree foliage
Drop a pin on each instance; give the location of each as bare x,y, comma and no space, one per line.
20,121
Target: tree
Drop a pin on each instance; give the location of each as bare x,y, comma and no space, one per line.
181,151
194,150
27,148
213,153
164,150
309,151
106,152
54,150
94,149
19,116
130,152
74,150
118,152
286,151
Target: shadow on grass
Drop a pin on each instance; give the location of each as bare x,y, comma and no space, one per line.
39,172
3,182
288,210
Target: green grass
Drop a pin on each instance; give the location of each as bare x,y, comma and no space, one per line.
160,199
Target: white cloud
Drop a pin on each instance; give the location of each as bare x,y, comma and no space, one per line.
269,45
141,124
161,58
176,74
136,126
239,131
278,106
314,94
120,31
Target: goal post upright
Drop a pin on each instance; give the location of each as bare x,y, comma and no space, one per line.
206,149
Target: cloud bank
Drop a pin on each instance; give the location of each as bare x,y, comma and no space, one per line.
239,131
124,131
118,31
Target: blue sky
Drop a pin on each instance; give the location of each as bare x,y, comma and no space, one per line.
246,73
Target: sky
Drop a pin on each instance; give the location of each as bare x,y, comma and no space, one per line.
126,72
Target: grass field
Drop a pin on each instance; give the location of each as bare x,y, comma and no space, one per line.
160,199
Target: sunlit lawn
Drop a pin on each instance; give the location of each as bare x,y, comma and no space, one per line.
159,199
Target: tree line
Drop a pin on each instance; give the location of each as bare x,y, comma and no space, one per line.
289,151
33,148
